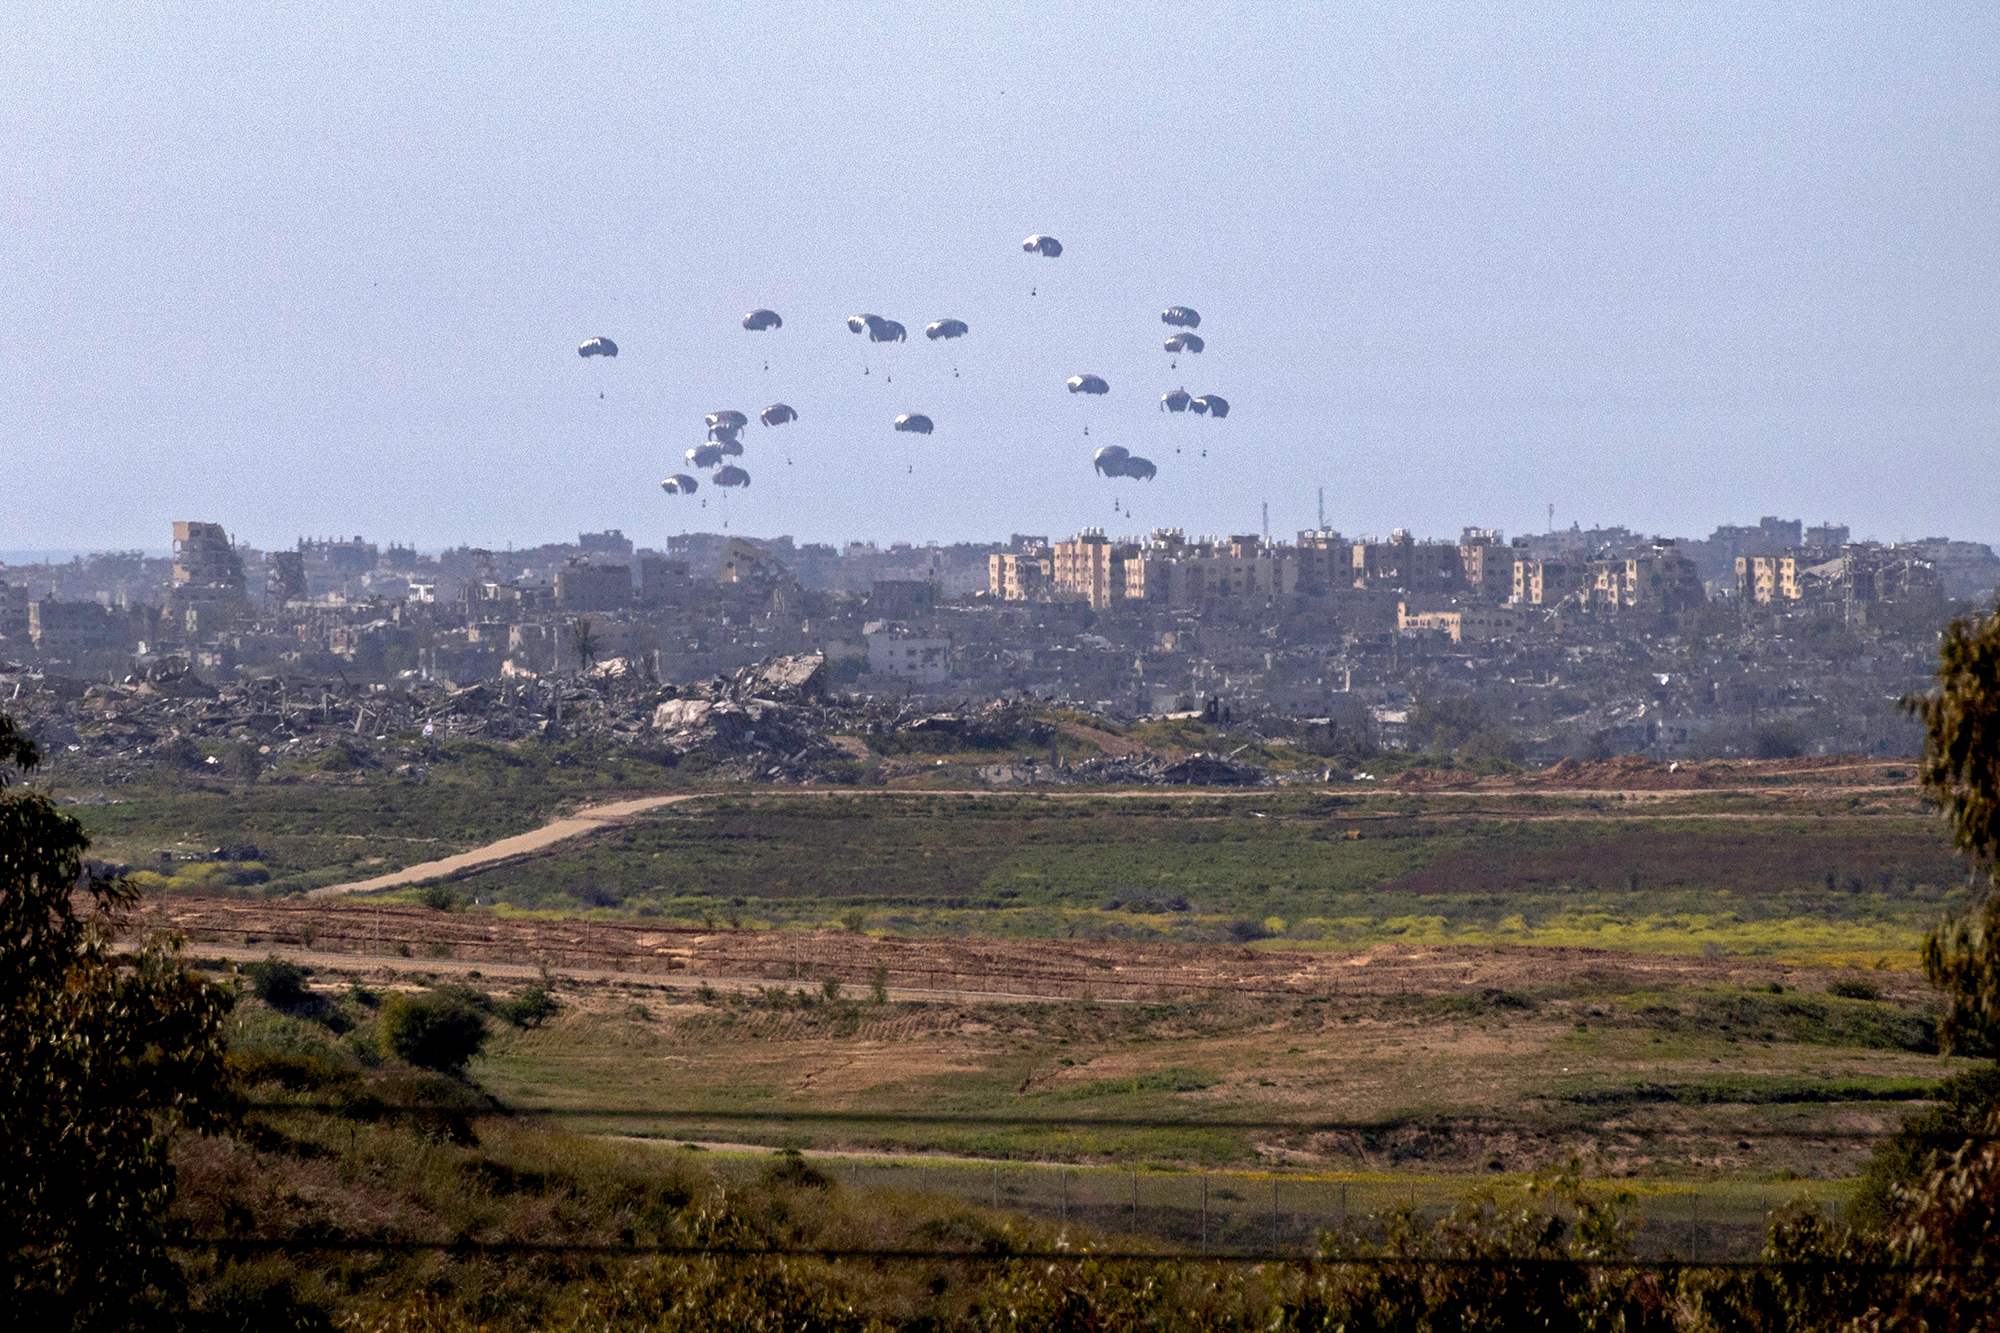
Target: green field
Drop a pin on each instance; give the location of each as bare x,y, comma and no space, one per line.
324,826
1763,877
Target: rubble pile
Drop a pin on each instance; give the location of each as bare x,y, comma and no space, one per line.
1195,770
766,722
167,715
770,722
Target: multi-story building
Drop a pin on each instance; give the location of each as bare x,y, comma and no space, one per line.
1486,564
1020,576
1091,567
1463,621
285,578
13,610
1404,564
1192,575
921,661
582,587
1660,582
338,559
1326,561
1764,579
1545,582
208,589
70,629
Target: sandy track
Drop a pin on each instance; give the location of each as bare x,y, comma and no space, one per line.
587,820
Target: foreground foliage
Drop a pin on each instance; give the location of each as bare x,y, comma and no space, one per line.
99,1065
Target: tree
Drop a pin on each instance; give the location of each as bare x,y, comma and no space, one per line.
1961,772
584,642
1940,1197
1443,722
435,1031
100,1065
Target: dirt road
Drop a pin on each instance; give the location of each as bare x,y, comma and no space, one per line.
587,820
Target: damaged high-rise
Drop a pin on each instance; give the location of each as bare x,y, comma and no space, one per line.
208,593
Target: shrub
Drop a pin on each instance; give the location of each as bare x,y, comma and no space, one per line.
1854,990
434,1031
793,1170
279,983
531,1008
440,898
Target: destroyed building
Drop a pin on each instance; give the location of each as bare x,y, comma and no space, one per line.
1572,642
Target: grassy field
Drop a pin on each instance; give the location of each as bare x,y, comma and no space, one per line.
314,827
1791,871
1773,875
1683,1082
1689,1083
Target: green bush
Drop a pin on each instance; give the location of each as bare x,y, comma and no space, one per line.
434,1031
440,898
279,983
1854,990
531,1008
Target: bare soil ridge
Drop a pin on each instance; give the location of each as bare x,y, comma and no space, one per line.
416,938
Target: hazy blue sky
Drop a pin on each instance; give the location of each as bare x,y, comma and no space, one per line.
324,268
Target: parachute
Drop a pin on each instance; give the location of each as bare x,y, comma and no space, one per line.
1177,401
1181,317
598,347
724,433
878,329
945,328
731,448
777,414
730,475
1114,461
1088,384
1185,342
1211,404
914,421
705,455
758,320
1048,246
680,484
730,417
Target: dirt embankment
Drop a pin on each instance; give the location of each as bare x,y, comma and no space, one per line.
1052,969
1638,773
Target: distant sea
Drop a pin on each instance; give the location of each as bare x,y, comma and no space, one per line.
56,556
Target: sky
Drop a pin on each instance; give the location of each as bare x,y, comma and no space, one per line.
323,269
